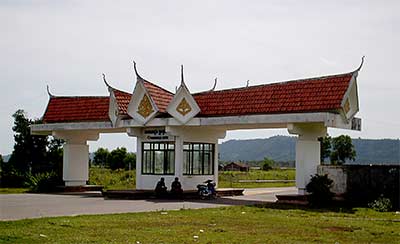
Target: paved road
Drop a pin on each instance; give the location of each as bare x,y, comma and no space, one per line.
22,206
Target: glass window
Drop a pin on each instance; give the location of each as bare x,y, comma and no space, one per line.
198,159
158,158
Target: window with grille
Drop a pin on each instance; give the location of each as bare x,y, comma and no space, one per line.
198,158
158,158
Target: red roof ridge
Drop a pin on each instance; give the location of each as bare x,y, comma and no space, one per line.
118,90
157,86
56,96
276,83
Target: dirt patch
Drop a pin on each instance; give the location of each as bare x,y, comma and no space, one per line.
340,228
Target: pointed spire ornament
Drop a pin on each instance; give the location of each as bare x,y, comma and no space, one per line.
362,62
182,78
48,91
136,72
105,81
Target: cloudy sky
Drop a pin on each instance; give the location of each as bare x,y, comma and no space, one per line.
68,44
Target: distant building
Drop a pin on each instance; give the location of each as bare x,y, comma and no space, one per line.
236,167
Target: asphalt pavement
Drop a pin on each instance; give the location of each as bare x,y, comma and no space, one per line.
26,206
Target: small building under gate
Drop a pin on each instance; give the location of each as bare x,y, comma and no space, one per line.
177,132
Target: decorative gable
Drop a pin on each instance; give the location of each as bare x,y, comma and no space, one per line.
349,103
183,107
113,108
141,107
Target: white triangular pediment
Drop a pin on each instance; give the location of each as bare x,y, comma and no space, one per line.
141,107
183,107
350,104
113,108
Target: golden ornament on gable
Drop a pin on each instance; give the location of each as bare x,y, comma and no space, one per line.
183,107
145,108
346,106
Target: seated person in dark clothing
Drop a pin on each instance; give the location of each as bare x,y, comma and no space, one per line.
161,189
176,188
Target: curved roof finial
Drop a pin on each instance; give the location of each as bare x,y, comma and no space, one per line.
136,72
105,81
362,62
48,91
215,84
247,83
182,78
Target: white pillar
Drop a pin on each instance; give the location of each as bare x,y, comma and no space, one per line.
139,163
307,152
75,164
137,132
307,161
178,157
76,156
216,163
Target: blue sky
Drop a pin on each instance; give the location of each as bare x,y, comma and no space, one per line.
68,44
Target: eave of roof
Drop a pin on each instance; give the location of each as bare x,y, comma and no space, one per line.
320,94
76,109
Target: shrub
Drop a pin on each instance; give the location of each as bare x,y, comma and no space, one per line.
11,178
43,182
319,187
381,204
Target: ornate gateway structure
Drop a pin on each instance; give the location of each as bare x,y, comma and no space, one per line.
177,133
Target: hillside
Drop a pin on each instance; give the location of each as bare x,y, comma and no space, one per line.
282,148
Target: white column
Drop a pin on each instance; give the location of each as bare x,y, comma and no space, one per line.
76,155
178,157
307,161
75,164
139,163
307,152
216,163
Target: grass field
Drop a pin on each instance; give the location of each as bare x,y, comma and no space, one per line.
263,224
123,179
112,179
231,178
13,190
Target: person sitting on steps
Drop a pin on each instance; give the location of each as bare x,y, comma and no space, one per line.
176,188
161,189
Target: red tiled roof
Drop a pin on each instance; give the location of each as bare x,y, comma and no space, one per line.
159,95
76,109
323,94
123,99
308,95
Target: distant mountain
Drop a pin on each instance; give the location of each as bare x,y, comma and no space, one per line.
282,148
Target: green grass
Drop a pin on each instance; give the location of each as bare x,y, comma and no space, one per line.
122,179
263,224
13,190
112,179
231,178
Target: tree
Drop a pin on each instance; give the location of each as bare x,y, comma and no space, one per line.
54,157
130,158
342,149
116,158
101,157
1,162
267,164
32,154
29,150
325,145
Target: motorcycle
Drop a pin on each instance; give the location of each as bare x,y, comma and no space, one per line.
207,190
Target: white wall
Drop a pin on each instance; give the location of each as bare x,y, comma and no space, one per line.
180,135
